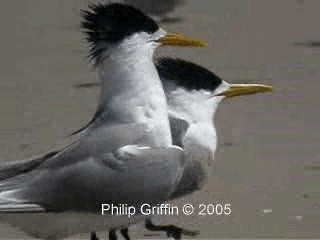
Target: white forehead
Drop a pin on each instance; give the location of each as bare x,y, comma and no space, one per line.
222,87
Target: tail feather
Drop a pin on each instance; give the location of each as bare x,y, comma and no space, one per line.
12,169
15,182
10,204
20,208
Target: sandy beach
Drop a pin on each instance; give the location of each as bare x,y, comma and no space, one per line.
268,153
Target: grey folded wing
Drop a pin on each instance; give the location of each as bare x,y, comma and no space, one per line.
179,128
192,180
13,168
193,175
82,144
10,169
149,176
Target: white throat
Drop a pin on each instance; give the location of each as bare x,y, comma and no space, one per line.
201,138
198,108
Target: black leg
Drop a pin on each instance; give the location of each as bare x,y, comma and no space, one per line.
125,233
113,234
171,230
94,236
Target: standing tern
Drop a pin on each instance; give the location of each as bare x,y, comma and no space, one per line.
124,156
193,94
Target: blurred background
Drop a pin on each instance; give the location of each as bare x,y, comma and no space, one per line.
268,158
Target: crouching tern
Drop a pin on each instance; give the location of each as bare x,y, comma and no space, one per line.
124,156
193,94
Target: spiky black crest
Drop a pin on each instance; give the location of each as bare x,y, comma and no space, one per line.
187,74
111,23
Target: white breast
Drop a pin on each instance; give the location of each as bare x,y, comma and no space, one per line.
200,143
132,93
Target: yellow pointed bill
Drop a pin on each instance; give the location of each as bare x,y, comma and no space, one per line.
177,39
245,89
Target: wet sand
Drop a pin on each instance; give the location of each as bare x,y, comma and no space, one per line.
266,163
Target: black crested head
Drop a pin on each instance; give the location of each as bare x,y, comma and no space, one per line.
187,74
111,23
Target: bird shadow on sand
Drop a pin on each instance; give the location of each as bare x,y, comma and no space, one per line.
310,44
312,167
85,85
